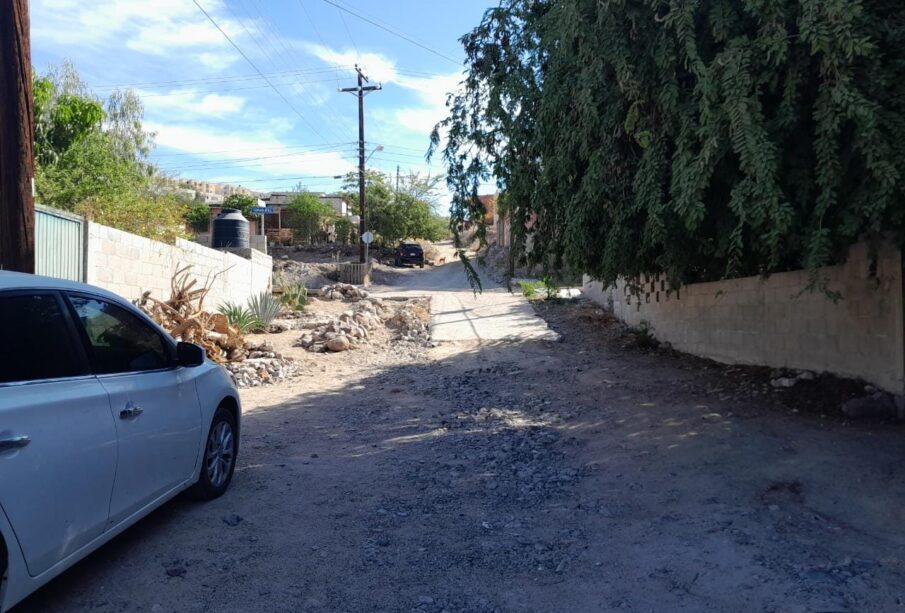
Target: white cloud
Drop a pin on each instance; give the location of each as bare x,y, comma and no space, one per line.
431,91
217,61
187,103
161,27
259,154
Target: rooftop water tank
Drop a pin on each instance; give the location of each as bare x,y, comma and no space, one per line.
230,230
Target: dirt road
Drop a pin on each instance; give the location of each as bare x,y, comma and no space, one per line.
581,475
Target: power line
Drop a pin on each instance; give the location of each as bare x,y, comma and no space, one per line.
395,33
252,64
251,163
188,92
349,33
271,148
300,86
220,79
300,178
317,33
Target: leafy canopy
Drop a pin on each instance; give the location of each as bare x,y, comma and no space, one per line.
243,202
309,213
394,215
91,158
699,139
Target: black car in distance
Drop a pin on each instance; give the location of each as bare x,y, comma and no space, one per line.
409,253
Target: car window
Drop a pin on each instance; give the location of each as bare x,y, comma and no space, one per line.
36,343
120,341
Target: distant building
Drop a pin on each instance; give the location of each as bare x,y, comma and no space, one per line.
281,220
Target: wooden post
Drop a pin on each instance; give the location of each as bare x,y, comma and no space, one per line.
17,119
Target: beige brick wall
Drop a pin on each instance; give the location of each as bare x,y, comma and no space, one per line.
773,322
129,265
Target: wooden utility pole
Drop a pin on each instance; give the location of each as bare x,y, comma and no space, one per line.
17,119
361,91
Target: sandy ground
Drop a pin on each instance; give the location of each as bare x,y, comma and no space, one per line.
581,475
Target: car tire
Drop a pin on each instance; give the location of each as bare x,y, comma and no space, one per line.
221,447
421,265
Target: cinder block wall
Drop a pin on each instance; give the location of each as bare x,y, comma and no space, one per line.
129,265
774,322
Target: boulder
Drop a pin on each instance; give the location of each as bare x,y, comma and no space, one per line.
339,343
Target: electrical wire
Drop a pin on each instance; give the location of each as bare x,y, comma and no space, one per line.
253,65
395,32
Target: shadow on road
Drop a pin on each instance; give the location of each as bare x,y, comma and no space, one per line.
526,476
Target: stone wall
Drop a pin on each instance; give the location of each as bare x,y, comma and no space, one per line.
128,265
774,322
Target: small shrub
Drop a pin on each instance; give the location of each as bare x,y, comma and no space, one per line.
294,296
529,288
240,317
550,288
643,335
265,308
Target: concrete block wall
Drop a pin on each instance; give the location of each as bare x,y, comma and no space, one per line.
129,265
774,322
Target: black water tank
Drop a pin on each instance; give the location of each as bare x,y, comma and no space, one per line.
230,230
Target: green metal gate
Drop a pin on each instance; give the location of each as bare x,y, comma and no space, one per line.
59,244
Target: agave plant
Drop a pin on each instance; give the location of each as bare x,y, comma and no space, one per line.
239,317
264,307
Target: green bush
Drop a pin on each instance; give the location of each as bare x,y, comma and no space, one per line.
198,217
529,288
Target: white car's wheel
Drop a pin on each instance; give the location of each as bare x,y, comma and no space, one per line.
220,451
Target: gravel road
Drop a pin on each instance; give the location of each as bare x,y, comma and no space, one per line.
497,475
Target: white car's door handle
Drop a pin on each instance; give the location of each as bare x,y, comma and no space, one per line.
13,442
131,412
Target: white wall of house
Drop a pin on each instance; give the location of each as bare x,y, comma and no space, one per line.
775,322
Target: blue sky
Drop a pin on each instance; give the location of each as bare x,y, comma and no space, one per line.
216,120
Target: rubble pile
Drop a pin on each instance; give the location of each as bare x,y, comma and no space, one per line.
184,317
411,322
262,366
344,292
346,331
407,322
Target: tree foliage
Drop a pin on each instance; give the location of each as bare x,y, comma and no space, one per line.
397,215
91,158
309,214
699,139
198,217
243,202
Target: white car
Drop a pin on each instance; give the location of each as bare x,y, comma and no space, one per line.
103,418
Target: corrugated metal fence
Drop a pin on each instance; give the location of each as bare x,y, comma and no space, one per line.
59,244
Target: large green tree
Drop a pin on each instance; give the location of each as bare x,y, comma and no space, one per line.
243,202
92,158
309,214
397,215
699,139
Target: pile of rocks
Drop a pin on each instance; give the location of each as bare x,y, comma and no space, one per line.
344,292
348,330
263,366
411,322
